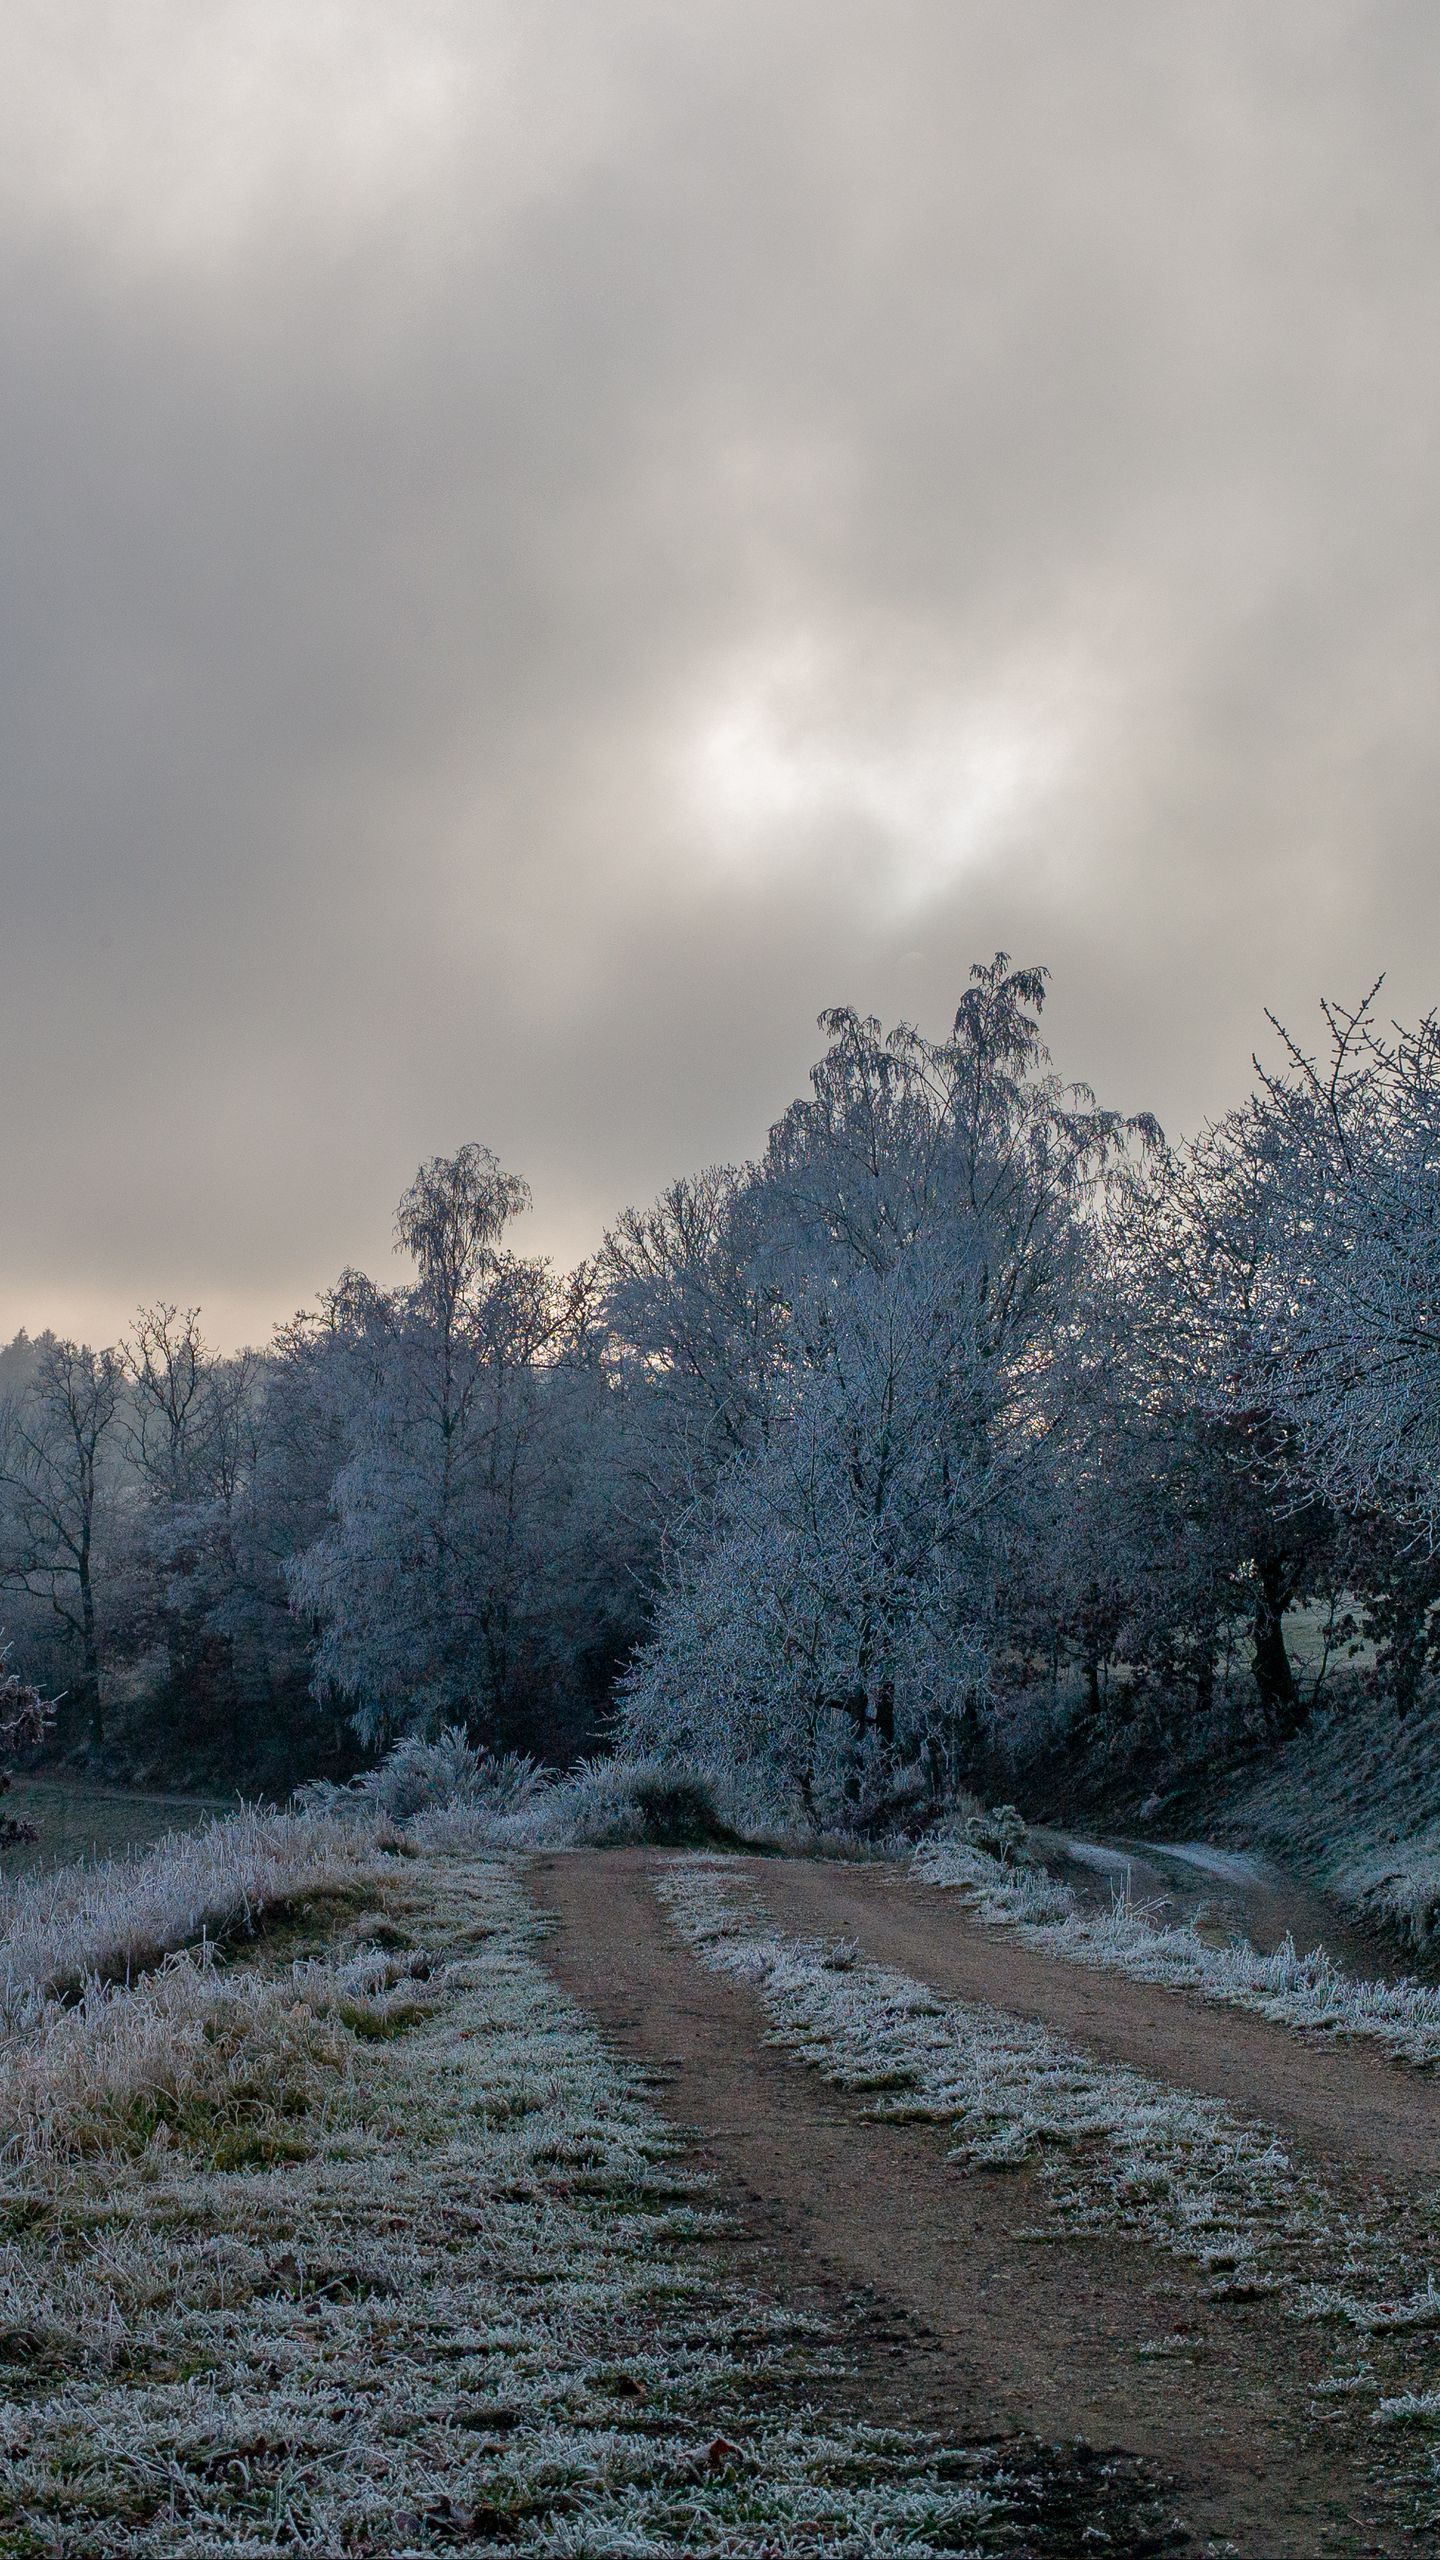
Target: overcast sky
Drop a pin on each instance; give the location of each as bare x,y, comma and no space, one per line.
544,543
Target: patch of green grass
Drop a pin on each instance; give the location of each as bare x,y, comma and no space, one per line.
307,1924
263,2145
375,2021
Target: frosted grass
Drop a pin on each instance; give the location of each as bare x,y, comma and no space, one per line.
479,2302
1113,2148
1354,1802
72,1927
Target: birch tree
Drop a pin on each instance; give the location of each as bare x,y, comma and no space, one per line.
427,1587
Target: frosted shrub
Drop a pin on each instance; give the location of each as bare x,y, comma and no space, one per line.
657,1800
998,1889
452,1793
604,1804
24,1715
420,1777
1002,1833
589,1808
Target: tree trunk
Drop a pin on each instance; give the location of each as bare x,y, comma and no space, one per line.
1270,1661
1409,1628
90,1646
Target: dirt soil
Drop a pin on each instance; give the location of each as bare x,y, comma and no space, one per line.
964,2320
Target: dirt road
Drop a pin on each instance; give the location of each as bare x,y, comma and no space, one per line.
1361,2117
972,2326
1236,1894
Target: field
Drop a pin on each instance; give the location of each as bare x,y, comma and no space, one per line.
78,1821
619,2202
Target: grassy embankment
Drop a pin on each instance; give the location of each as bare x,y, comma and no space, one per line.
1354,1803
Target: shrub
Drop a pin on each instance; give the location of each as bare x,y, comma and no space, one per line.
24,1715
453,1793
1001,1831
424,1777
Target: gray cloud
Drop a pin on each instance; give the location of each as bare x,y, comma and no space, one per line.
540,547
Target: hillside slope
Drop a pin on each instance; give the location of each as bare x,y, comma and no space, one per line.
1353,1802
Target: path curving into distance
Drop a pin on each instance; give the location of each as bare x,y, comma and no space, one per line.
977,2326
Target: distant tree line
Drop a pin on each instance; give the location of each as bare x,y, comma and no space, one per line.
970,1421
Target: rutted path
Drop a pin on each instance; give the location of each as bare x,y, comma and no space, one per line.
1194,1881
995,2332
1363,2117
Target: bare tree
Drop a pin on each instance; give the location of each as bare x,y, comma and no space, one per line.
170,1372
53,1445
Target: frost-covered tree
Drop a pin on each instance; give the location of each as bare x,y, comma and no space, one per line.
1343,1346
918,1233
1190,1257
1348,1313
429,1587
967,1413
1278,1282
824,1618
695,1315
208,1627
